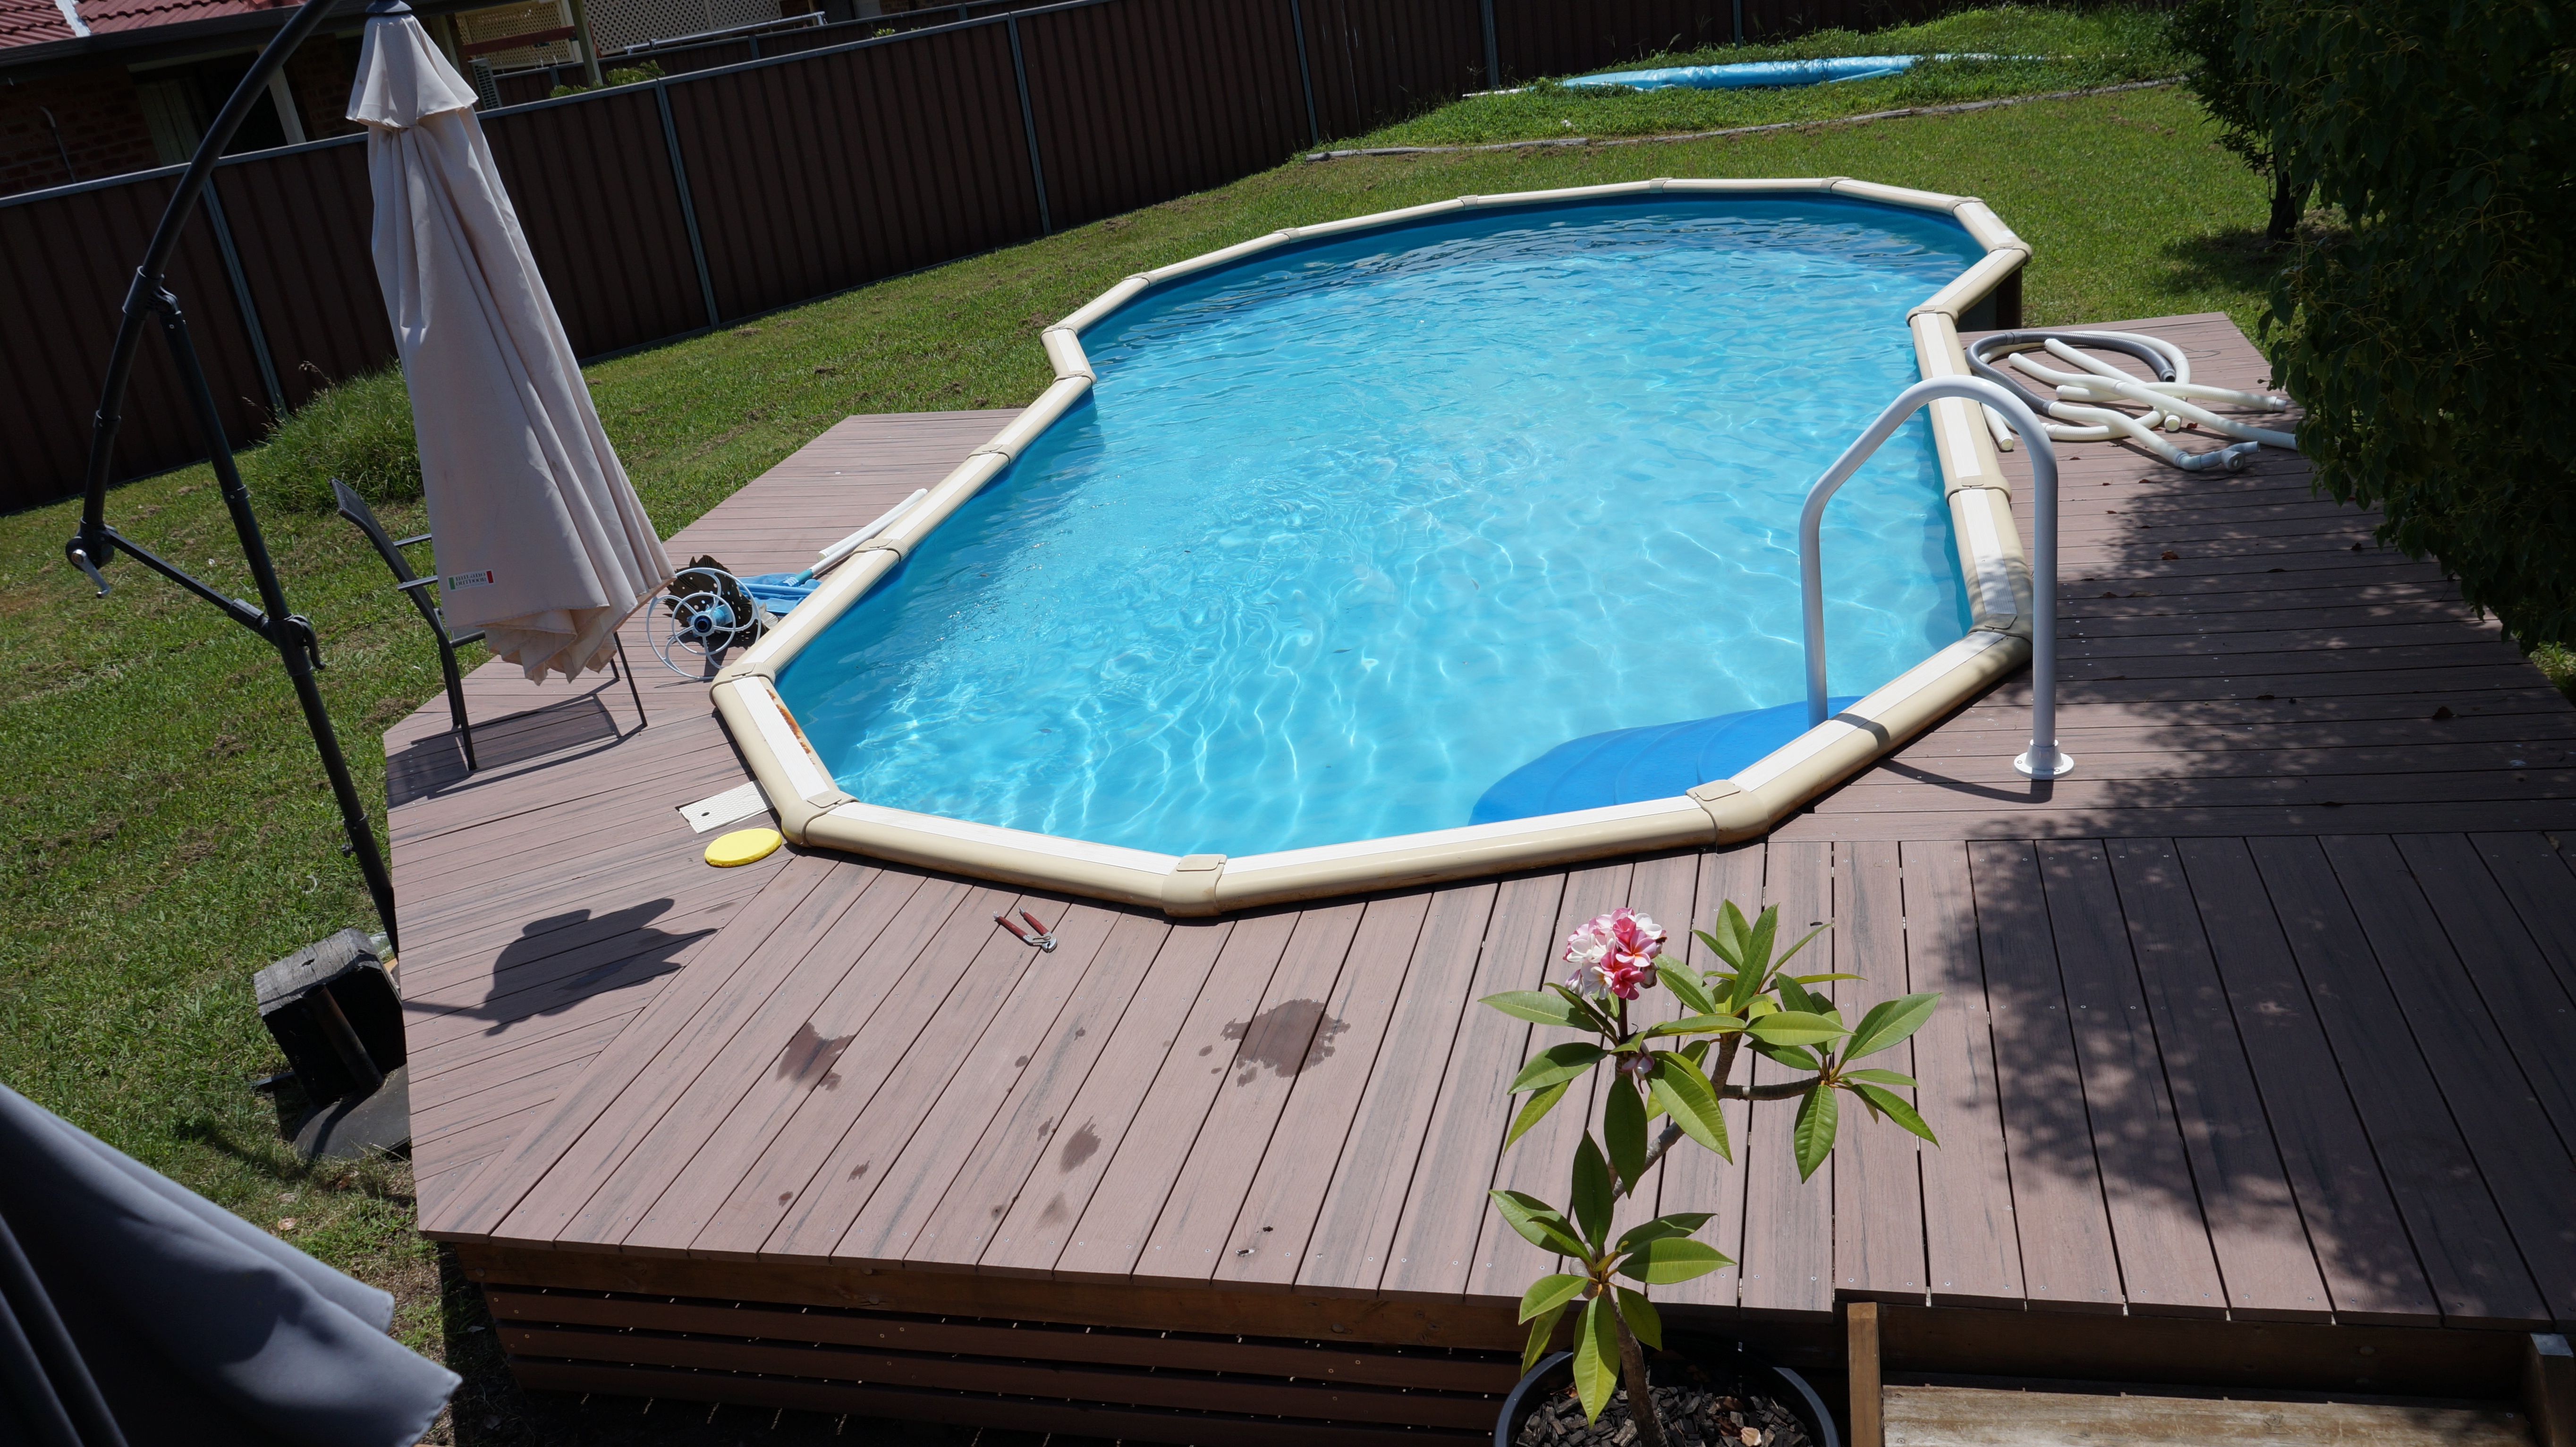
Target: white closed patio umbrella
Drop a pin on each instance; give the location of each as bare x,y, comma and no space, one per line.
541,541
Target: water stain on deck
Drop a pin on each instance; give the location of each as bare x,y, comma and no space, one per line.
1289,1037
811,1055
1080,1146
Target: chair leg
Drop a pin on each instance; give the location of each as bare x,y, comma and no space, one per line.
456,702
627,671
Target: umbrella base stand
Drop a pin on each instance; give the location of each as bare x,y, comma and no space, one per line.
360,1125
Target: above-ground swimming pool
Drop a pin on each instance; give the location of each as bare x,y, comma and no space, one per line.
1446,529
1345,537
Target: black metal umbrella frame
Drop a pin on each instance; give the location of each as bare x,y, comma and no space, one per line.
96,545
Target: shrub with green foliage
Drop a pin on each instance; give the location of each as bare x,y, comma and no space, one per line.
2434,341
2209,31
358,430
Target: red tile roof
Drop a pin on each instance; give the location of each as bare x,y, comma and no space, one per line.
31,22
104,16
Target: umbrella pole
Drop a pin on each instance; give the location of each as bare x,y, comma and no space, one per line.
97,544
292,635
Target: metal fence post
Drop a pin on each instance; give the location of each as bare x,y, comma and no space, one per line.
1029,123
688,208
1493,52
249,309
1739,22
1305,75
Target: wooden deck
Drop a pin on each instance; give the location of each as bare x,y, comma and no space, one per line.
2257,1042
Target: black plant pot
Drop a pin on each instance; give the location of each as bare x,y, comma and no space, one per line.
1553,1373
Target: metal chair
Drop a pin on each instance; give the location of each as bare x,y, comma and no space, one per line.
416,588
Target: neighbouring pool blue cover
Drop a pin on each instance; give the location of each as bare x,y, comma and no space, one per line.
1349,533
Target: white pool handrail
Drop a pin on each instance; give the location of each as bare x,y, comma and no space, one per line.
2044,760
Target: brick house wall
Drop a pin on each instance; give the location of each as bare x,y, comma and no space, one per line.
101,124
319,75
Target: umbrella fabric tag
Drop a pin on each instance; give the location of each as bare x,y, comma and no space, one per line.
456,582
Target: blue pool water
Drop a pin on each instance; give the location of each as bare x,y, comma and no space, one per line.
1348,534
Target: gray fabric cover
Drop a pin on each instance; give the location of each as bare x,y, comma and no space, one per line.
198,1326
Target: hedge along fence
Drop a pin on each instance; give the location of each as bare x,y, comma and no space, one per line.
666,208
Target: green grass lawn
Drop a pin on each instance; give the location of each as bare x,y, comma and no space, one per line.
2038,51
163,827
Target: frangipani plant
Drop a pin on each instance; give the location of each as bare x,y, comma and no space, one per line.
1678,1070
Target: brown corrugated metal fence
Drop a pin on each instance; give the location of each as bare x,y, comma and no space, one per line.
838,156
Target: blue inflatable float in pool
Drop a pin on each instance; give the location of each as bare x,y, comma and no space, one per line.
1656,761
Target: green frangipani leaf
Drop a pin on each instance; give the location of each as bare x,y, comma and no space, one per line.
1682,1091
1679,1223
1534,1110
1889,1022
1538,1223
1888,1103
1796,1057
1593,1196
1623,1129
1805,940
1538,1005
1696,1025
1541,1329
1555,1063
1880,1077
1687,985
1813,1134
1668,1259
1794,996
1549,1293
1596,1358
1759,943
1644,1322
1794,1027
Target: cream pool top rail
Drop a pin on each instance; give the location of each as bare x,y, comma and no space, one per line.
815,812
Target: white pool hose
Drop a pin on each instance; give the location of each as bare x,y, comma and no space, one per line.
2085,407
842,549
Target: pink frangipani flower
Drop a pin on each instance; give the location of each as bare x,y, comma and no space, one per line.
1614,952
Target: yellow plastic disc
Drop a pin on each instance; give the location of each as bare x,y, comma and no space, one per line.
743,846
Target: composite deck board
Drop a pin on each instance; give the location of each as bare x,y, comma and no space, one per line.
1878,1182
1359,1202
1972,1239
2454,1018
1275,1210
2460,1232
2352,1219
1318,1000
1144,979
737,1187
1540,1162
1446,1211
2069,1260
1109,1228
2242,1193
1788,1260
940,1099
1032,1226
1701,1180
2306,894
2167,1263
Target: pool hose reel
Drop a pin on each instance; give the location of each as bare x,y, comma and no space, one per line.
2085,403
704,614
